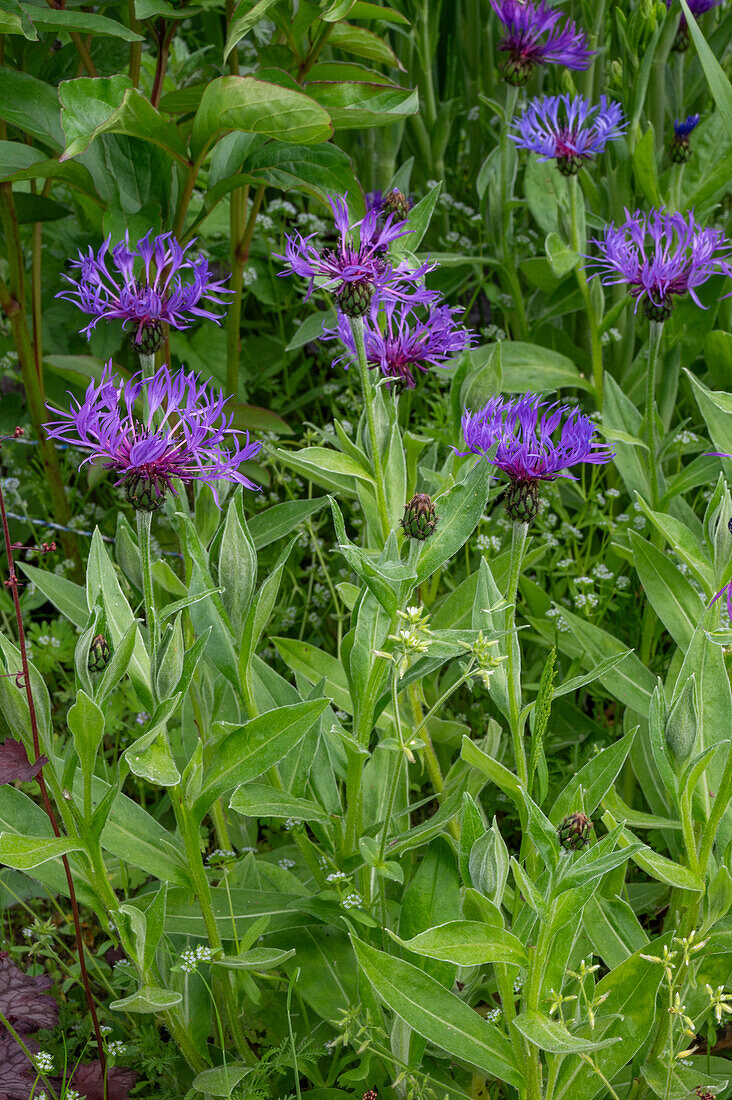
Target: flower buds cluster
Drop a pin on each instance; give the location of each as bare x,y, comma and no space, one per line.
574,831
419,519
99,654
410,641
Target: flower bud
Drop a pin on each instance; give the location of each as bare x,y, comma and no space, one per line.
396,202
521,500
682,723
144,494
148,338
355,298
419,519
99,654
682,39
370,1094
574,831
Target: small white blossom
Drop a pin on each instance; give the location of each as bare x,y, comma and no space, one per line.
191,957
352,901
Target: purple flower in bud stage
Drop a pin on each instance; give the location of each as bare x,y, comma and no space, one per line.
567,129
536,36
526,451
660,257
697,8
185,434
356,274
149,285
680,148
397,340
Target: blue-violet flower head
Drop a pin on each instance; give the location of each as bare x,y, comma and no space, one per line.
697,8
521,429
567,129
683,129
536,35
660,257
185,433
357,273
398,340
152,283
680,147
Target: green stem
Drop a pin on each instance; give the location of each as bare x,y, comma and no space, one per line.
594,329
144,523
242,233
654,343
368,400
509,268
202,887
518,543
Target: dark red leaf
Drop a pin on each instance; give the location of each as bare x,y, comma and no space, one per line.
24,1000
14,762
16,1072
88,1081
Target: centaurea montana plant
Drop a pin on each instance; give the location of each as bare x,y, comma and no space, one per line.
154,282
680,148
567,129
398,340
537,35
521,430
360,276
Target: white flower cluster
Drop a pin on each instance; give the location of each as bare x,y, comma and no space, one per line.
191,957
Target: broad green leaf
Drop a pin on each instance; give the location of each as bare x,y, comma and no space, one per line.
657,866
257,107
250,750
281,519
257,958
222,1080
531,367
262,800
676,602
363,43
148,1000
438,1015
716,408
354,105
49,19
630,681
553,1036
467,943
460,510
644,167
595,779
613,929
504,779
315,664
333,470
112,105
25,852
86,722
247,14
32,106
418,220
619,414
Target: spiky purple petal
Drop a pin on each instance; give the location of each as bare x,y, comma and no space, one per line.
184,434
526,450
537,36
564,127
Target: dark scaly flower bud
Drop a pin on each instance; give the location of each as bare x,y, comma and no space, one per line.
569,166
397,203
145,494
148,338
419,519
521,500
355,298
370,1094
682,39
99,654
574,831
516,70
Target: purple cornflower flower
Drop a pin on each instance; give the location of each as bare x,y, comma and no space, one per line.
357,273
151,284
660,256
567,129
405,341
185,433
680,148
526,452
535,37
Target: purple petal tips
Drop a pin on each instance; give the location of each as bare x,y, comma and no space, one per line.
536,36
185,433
660,257
567,129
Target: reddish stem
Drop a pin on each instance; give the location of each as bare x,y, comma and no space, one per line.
12,584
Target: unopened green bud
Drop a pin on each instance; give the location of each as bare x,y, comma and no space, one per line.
521,500
682,724
99,654
419,519
355,298
574,831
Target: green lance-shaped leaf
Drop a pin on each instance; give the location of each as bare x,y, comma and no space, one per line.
460,510
553,1036
438,1015
251,749
112,105
26,852
467,943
